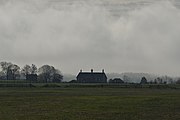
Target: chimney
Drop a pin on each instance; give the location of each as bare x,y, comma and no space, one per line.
91,70
81,71
102,70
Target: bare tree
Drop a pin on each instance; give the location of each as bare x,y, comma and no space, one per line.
57,77
49,74
5,66
15,71
26,70
33,69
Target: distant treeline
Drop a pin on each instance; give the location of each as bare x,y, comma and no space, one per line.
130,77
143,80
49,74
45,73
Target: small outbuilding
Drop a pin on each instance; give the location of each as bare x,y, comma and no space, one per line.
116,80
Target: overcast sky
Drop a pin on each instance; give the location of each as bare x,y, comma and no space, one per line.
115,35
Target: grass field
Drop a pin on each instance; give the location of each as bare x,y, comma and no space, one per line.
88,103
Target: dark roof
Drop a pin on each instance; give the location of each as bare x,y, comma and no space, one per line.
91,74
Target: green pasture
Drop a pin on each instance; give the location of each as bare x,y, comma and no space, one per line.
89,103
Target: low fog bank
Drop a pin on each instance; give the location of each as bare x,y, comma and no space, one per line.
84,35
131,77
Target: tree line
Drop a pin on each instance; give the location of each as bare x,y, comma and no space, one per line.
46,73
158,80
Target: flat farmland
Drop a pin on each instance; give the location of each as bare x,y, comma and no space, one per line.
89,103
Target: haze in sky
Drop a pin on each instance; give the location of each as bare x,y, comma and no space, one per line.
115,35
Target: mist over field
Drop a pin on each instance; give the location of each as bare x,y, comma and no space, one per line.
115,35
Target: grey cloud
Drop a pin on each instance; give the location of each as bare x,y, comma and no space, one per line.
86,35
